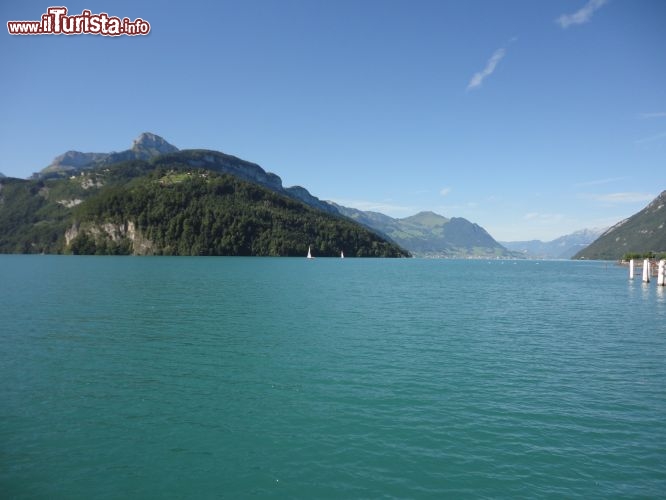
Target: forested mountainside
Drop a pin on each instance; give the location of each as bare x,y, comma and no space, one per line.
168,206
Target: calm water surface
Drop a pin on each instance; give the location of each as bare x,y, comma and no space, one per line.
286,378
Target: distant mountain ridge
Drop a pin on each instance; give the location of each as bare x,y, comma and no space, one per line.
428,234
563,247
144,147
641,233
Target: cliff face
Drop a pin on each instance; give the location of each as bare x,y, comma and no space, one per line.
123,236
227,164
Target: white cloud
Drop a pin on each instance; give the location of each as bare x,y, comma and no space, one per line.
626,197
492,63
646,116
543,218
386,208
445,191
582,16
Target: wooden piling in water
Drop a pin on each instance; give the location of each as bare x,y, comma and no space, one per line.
646,271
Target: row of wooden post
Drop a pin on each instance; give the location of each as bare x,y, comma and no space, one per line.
646,271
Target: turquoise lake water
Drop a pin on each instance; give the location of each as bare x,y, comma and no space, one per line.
147,377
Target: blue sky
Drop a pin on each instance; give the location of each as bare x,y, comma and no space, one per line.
531,118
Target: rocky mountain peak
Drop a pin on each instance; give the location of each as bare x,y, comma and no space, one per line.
152,144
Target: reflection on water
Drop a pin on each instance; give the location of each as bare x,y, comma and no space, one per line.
661,294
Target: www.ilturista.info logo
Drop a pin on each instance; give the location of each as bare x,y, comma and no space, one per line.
57,22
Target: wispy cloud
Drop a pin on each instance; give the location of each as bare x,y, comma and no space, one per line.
387,208
582,16
599,182
542,218
626,197
492,63
647,116
445,191
651,138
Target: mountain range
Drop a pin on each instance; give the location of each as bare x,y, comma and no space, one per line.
89,180
563,247
424,234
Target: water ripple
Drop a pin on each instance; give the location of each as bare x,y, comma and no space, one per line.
210,378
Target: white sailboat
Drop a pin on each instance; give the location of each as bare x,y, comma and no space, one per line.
342,254
309,253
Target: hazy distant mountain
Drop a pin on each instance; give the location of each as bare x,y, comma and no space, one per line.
563,247
2,176
641,233
428,234
144,147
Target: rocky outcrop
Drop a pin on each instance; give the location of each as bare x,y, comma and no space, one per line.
148,145
69,203
115,233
